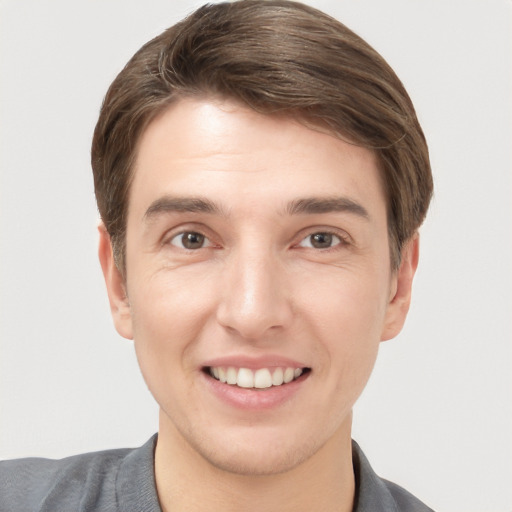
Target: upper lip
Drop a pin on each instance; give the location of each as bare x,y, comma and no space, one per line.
254,363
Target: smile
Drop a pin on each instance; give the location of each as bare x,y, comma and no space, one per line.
258,379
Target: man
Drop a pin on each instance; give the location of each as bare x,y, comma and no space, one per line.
261,177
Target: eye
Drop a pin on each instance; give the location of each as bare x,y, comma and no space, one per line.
321,240
190,240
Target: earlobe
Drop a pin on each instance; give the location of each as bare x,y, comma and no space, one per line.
116,288
400,298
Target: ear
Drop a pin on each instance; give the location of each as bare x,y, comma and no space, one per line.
401,285
116,288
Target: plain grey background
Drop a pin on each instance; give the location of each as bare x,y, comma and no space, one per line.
436,416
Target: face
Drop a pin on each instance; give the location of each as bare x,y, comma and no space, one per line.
258,283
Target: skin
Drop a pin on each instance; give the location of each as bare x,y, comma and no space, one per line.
260,286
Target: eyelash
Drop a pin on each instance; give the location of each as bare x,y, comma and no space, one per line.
169,240
343,240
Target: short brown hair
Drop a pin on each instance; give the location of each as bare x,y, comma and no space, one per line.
279,58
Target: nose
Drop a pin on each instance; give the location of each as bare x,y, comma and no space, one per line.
254,297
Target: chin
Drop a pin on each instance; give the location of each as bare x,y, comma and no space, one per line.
256,455
248,464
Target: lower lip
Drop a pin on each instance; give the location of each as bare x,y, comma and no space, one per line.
254,399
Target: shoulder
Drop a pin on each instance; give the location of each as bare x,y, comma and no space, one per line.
375,494
84,482
404,500
40,484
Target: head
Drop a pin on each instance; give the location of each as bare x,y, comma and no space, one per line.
261,176
323,75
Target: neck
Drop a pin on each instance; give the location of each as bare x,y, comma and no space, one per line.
186,481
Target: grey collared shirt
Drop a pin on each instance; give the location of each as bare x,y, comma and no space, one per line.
124,481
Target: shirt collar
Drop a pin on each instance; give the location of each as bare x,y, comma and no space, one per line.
135,482
136,487
371,491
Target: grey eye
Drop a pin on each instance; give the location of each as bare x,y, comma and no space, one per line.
320,240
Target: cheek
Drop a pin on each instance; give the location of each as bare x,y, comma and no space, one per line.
169,309
349,302
169,302
348,313
167,317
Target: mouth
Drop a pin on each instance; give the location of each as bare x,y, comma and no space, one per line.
260,379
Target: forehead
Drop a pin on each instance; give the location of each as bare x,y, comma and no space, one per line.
222,149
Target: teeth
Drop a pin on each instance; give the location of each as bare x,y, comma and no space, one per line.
262,378
288,375
259,379
231,375
245,378
277,377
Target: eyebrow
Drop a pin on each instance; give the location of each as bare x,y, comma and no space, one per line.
181,204
307,205
312,205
